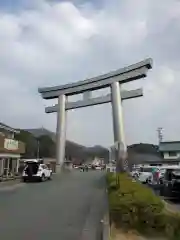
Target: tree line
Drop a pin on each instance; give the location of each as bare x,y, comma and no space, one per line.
42,146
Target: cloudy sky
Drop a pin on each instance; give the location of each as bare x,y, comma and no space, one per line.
45,43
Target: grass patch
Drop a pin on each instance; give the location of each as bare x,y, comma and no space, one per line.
134,206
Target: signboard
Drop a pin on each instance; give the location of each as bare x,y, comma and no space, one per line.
10,144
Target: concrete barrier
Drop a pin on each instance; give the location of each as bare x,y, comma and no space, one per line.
105,227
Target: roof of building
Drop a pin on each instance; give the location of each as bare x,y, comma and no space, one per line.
169,146
8,128
166,161
138,158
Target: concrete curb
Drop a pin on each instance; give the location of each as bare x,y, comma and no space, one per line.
96,226
170,207
106,221
93,225
106,227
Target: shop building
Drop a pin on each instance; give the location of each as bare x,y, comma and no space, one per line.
10,150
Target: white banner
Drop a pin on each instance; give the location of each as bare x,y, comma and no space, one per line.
10,144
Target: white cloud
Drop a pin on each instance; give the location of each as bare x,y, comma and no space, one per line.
59,42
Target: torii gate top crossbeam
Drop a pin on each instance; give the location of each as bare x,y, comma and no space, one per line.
123,75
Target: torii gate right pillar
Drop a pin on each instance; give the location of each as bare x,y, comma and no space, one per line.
118,126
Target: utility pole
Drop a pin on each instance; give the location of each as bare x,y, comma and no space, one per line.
37,149
160,134
110,154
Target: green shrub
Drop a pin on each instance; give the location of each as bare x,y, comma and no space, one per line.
133,205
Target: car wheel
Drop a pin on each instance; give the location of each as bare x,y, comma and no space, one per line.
50,178
135,176
161,191
24,180
43,178
166,192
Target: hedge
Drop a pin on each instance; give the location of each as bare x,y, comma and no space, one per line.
135,206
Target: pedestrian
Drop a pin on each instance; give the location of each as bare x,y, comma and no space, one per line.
155,174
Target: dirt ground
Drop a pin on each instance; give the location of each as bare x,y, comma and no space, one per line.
130,235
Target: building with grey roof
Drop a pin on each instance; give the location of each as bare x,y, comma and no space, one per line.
170,150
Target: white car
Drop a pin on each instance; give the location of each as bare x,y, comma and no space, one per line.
76,167
135,174
145,174
34,170
98,168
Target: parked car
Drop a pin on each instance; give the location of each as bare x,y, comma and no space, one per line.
89,166
98,168
135,174
162,171
84,168
170,185
75,166
161,175
35,170
145,174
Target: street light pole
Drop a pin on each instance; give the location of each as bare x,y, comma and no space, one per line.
110,155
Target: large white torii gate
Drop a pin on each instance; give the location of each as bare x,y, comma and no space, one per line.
111,80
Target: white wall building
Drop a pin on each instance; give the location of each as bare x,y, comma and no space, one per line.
97,161
170,150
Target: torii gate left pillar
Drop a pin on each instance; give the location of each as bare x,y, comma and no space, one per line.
118,127
61,132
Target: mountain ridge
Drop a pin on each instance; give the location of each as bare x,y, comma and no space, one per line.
81,152
73,149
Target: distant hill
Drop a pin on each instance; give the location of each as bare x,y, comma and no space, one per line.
74,150
38,132
137,153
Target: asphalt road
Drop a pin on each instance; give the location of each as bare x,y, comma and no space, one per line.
70,207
